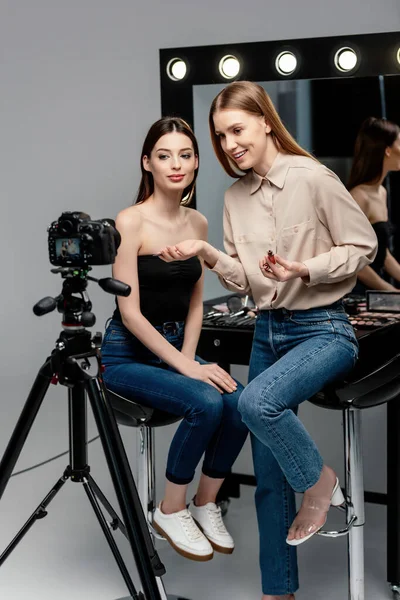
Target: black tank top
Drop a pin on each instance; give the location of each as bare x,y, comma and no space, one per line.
383,230
383,233
165,288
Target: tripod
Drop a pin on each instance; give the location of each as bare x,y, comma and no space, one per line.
75,363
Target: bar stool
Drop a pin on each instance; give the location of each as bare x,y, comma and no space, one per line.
375,380
146,419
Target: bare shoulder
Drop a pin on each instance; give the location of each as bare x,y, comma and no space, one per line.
361,196
129,219
196,218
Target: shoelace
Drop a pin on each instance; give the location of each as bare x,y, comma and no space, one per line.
189,526
216,519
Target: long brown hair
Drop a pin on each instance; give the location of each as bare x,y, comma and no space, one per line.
252,98
157,130
374,136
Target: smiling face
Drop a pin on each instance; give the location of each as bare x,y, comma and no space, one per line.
243,137
172,162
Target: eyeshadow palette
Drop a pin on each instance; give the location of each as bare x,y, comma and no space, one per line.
368,320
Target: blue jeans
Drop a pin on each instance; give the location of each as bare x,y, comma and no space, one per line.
294,355
211,423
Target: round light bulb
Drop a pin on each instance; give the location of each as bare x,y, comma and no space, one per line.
345,59
398,56
286,63
229,66
176,69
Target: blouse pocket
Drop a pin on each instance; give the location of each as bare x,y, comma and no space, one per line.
246,246
294,238
244,238
298,228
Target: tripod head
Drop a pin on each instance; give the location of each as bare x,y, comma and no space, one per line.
74,302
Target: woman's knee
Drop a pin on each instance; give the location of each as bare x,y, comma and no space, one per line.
247,405
231,403
255,405
208,406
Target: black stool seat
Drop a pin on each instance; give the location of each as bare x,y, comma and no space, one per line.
133,414
376,377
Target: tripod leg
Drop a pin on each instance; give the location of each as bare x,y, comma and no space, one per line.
24,423
110,539
147,561
39,513
116,523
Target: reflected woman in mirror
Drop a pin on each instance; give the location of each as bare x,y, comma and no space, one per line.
376,153
149,346
288,203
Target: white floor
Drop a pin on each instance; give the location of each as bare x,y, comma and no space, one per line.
65,556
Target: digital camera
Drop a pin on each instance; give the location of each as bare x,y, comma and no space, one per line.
77,241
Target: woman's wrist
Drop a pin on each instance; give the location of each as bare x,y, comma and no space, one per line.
190,354
305,273
209,254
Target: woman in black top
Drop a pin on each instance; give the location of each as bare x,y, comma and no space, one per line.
149,346
377,151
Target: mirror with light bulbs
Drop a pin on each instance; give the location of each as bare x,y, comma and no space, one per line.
323,88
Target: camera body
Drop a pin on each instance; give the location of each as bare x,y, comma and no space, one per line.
75,240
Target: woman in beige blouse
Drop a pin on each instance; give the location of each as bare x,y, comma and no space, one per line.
287,202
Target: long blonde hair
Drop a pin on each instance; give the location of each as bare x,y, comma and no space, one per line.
252,98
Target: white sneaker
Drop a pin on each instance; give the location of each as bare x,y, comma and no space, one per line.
183,534
209,519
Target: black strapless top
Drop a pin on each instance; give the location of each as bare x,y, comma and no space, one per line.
383,230
165,288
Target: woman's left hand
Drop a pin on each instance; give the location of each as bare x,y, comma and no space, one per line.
281,269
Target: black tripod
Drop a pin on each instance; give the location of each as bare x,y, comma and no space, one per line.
75,363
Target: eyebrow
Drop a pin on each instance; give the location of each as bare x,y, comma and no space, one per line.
230,127
168,150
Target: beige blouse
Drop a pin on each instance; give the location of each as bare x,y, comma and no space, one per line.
301,211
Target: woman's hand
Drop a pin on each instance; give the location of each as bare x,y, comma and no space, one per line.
212,374
182,251
279,269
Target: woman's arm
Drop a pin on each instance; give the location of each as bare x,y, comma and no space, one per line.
194,319
228,267
354,240
128,224
125,269
372,281
391,266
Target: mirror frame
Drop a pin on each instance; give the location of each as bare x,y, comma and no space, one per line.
377,53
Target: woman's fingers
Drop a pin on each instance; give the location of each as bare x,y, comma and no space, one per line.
226,377
165,255
170,253
267,269
224,380
286,264
210,382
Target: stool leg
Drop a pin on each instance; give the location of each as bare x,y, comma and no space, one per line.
146,471
354,483
146,485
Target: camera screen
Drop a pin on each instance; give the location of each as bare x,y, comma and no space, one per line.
68,249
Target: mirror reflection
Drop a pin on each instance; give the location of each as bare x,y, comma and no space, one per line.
324,115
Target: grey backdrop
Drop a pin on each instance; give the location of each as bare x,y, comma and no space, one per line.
79,88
